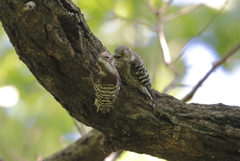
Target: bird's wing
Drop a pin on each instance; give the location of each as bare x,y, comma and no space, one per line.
139,71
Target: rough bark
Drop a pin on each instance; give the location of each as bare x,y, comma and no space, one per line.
56,44
86,149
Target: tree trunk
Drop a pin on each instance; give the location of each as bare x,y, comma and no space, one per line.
53,39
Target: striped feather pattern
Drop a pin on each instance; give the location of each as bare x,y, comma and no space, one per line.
106,83
131,68
141,74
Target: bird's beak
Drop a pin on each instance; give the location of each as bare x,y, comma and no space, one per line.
111,58
115,56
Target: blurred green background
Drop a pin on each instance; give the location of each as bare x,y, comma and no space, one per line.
27,128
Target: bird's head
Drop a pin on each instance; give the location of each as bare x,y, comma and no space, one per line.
105,57
122,54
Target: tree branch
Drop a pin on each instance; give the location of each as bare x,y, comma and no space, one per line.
216,64
162,40
202,30
114,155
56,44
182,12
79,127
86,148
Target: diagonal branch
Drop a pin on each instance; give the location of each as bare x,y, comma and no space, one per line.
182,12
217,64
55,42
79,127
114,155
202,30
83,148
151,7
133,20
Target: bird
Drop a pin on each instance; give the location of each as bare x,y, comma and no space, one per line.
131,68
106,81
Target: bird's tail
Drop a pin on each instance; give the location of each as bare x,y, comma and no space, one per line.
150,93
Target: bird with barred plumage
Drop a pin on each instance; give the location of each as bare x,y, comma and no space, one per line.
131,68
106,83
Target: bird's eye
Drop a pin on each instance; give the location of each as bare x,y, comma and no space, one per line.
107,57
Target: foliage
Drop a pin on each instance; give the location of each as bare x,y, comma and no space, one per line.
28,128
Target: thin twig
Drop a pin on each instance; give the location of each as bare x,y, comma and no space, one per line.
164,45
138,22
133,20
115,16
114,155
233,59
79,127
182,12
10,152
161,35
182,85
163,42
1,158
162,39
166,6
213,18
201,31
174,81
217,64
63,142
152,8
171,84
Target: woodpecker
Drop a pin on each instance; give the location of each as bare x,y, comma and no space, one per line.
106,82
131,68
